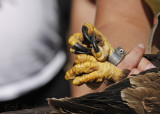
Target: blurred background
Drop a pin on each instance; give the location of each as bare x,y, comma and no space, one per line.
33,52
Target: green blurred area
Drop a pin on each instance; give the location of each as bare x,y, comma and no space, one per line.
155,5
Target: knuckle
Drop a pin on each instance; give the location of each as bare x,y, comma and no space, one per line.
138,51
134,71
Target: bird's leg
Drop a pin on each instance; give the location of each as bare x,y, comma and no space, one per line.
93,50
101,48
77,46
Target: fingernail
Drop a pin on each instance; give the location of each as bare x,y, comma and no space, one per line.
149,66
141,46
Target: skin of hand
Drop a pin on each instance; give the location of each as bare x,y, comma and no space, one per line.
124,23
122,27
135,61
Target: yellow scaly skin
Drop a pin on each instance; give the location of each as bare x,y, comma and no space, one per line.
96,68
76,38
94,71
105,47
105,50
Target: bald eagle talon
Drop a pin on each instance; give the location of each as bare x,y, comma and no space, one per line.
92,50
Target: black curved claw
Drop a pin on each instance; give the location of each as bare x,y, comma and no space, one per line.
96,49
82,52
91,40
79,47
74,64
85,33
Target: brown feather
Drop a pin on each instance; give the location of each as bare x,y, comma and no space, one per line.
143,87
152,105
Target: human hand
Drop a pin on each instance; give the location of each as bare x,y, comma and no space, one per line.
135,61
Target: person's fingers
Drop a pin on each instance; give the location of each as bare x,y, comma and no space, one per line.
144,64
132,59
135,71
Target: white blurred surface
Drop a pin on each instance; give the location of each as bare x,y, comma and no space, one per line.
29,45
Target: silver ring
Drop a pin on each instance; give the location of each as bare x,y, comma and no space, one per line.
117,56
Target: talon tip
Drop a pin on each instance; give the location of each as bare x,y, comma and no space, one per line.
84,27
